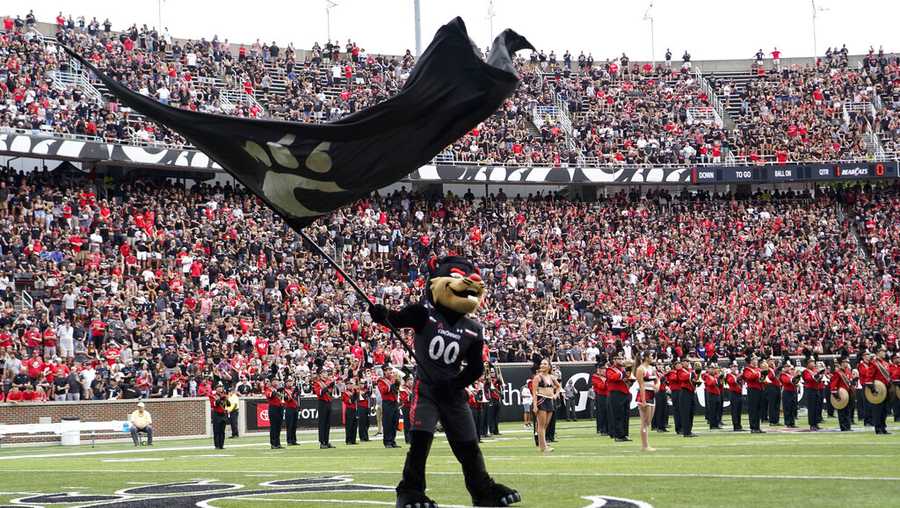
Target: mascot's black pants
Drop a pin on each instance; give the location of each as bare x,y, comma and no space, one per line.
452,410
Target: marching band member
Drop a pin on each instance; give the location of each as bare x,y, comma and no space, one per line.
389,387
362,408
789,380
864,367
275,397
811,385
350,399
753,376
773,392
675,389
688,378
661,412
291,411
895,382
217,402
735,388
648,385
841,381
616,382
880,372
713,396
322,387
601,409
406,390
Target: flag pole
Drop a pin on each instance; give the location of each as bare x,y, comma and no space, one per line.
334,264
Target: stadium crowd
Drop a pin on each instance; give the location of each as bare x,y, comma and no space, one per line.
620,112
150,289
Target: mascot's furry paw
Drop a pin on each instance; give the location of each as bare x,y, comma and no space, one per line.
498,495
413,499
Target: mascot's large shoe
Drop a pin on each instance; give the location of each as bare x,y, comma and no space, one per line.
413,499
497,495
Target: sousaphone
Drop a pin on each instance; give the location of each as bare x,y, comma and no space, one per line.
878,392
840,399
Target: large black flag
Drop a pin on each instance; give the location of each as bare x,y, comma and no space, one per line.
303,171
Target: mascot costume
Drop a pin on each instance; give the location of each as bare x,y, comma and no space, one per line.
445,337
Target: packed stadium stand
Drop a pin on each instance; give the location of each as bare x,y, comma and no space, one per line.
565,112
159,290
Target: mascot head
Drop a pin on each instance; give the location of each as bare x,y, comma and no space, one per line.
455,284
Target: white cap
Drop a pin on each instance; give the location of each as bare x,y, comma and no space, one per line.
140,404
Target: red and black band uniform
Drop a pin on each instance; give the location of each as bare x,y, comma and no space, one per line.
275,399
675,392
350,398
753,377
878,371
219,418
405,405
362,414
661,414
712,389
773,396
601,410
812,386
735,396
789,397
841,379
688,380
390,410
291,413
495,395
322,389
619,399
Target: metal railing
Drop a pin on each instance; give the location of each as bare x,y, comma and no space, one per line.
27,300
710,93
729,160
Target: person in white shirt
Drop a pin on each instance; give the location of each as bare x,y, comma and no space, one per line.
141,421
65,333
526,405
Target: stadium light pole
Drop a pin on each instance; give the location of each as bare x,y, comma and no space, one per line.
815,11
328,6
648,16
490,16
417,20
159,26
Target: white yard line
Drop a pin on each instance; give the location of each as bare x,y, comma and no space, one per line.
456,473
135,459
208,504
123,452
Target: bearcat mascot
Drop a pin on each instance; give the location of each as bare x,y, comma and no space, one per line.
445,337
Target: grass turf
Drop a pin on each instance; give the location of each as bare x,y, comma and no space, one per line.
719,468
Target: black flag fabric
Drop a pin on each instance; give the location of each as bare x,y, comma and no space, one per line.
304,171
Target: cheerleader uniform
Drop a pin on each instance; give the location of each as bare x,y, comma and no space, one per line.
649,387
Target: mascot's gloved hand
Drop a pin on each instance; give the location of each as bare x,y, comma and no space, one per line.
379,313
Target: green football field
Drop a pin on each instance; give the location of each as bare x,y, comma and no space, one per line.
719,468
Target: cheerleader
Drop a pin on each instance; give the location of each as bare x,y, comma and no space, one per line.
648,385
546,390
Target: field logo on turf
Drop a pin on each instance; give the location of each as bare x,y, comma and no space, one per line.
614,502
202,493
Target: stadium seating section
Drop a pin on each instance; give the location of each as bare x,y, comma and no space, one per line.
164,291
